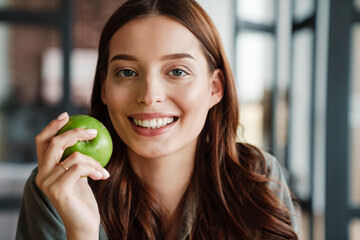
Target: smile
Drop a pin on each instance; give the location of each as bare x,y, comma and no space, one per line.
153,123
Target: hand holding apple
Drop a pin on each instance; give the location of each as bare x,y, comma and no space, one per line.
64,184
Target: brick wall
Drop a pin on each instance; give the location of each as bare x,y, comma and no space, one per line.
28,42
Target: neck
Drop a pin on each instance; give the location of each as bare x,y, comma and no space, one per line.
167,177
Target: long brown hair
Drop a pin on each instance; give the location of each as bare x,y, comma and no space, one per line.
229,182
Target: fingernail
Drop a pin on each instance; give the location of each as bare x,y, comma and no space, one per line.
105,173
62,116
98,174
91,131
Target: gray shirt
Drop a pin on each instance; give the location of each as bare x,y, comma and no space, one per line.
39,220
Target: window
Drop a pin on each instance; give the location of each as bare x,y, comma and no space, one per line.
255,73
301,111
354,118
257,11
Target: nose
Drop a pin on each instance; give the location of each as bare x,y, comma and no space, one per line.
151,91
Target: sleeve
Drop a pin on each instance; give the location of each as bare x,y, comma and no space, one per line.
280,188
38,218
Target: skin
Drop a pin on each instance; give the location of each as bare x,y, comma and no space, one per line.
149,79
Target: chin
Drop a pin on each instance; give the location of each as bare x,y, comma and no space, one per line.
151,152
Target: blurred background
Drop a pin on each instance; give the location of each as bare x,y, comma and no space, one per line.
297,66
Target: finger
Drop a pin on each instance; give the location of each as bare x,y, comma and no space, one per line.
70,178
77,158
59,143
49,131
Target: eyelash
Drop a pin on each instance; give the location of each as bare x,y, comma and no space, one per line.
184,73
120,73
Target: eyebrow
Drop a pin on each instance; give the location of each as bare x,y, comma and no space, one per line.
123,57
177,56
166,57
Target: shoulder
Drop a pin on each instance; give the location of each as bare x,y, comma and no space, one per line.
277,181
262,162
266,164
279,186
274,169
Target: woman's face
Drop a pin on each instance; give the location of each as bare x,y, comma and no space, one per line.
158,87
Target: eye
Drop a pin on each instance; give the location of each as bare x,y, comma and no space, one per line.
126,73
178,73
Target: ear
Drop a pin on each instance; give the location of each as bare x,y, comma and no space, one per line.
216,87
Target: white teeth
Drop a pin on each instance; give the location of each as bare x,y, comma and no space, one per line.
159,123
153,123
145,123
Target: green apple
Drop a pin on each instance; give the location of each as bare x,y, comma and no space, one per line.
100,148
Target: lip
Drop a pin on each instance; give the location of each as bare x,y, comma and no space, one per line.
152,132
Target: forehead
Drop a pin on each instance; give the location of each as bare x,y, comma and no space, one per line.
154,35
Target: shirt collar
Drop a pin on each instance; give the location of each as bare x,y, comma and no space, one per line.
188,216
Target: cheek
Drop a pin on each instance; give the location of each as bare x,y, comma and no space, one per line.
117,101
117,97
194,102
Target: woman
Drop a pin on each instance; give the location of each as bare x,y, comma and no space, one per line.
164,89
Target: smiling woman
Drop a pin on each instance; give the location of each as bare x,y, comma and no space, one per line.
152,91
164,89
